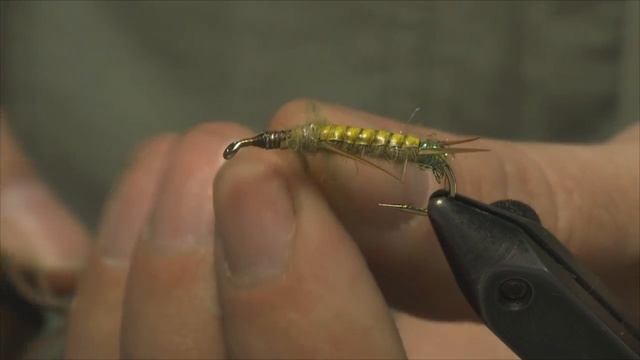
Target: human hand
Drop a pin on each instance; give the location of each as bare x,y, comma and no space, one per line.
289,280
43,246
40,236
584,194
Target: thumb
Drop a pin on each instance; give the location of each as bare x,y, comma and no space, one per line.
586,195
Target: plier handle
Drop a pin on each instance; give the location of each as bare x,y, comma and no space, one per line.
525,285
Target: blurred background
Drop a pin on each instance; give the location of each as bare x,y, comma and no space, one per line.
84,82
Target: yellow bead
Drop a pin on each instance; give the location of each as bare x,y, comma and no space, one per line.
382,136
411,141
365,136
325,132
337,133
351,135
397,140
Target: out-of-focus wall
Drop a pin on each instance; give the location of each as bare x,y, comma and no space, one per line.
83,82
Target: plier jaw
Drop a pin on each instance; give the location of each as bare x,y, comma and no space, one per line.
525,285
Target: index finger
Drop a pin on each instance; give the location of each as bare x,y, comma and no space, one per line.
402,250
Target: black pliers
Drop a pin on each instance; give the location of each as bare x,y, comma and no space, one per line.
525,285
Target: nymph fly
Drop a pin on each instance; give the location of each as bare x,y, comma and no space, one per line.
359,143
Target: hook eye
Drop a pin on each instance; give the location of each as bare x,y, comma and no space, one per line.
235,146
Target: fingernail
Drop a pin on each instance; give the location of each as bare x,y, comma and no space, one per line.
255,221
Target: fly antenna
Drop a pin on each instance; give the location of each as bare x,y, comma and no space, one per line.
460,141
413,114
